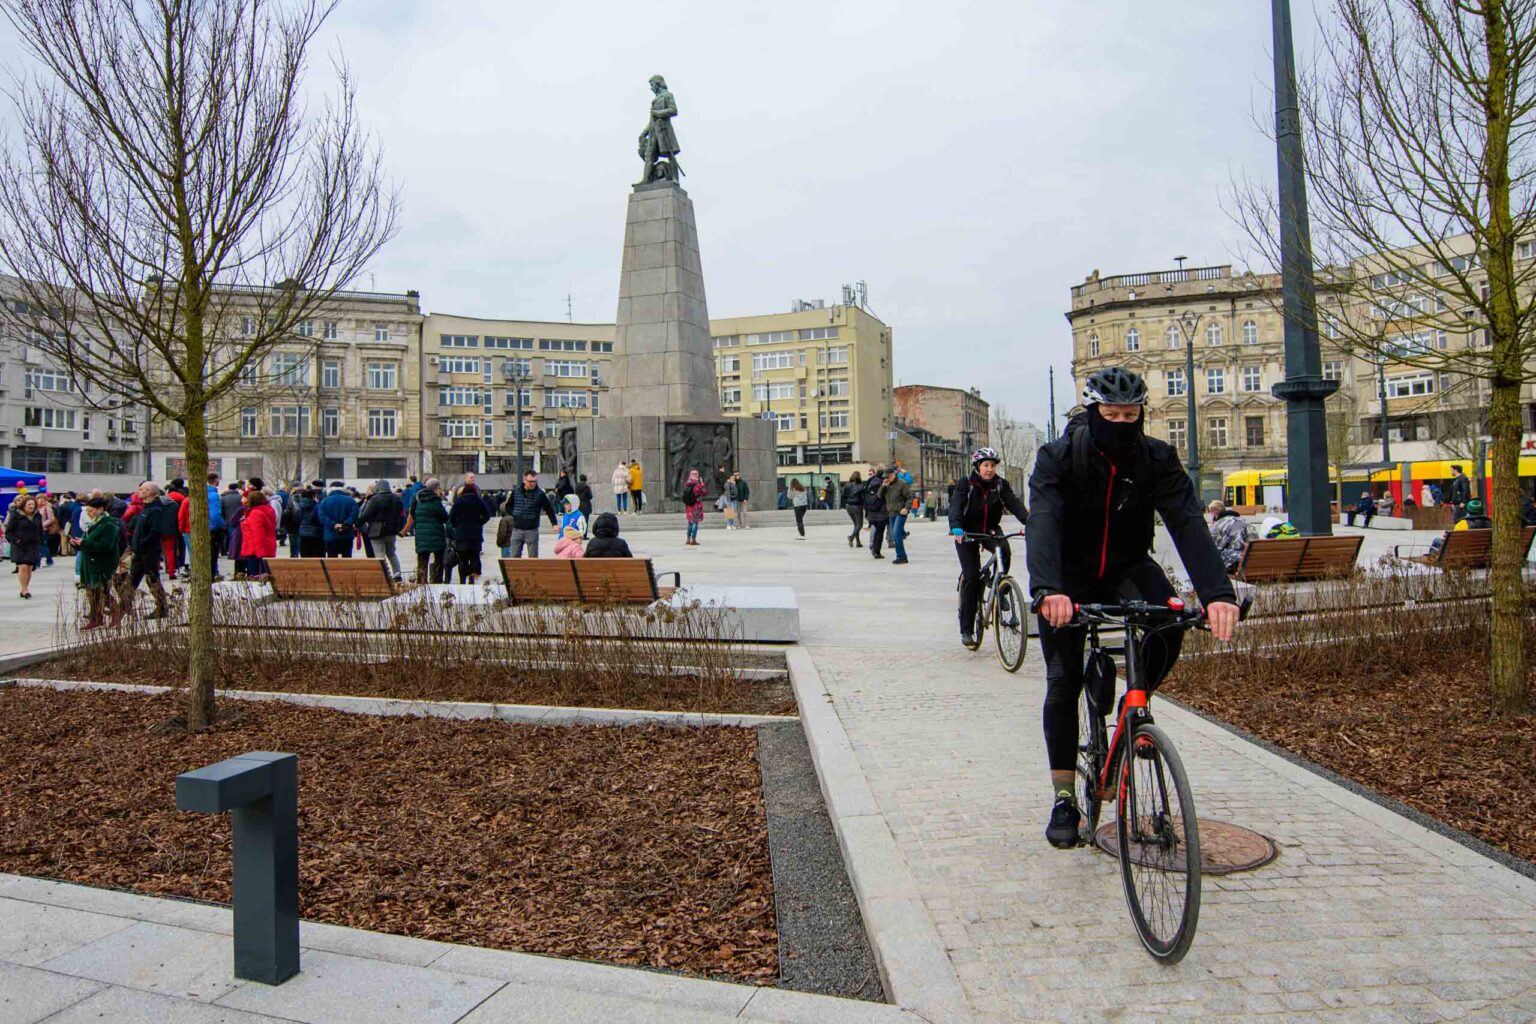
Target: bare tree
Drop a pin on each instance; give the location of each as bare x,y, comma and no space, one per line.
1016,441
1419,119
174,212
1342,413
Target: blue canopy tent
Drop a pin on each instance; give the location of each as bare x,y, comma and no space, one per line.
15,481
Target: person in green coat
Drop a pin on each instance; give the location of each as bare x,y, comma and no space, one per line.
428,517
99,549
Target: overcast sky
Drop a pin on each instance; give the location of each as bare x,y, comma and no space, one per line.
971,161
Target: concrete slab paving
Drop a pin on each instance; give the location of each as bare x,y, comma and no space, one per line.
130,1006
336,989
28,995
156,958
36,933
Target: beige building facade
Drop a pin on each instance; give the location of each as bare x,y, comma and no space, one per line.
339,399
478,373
823,373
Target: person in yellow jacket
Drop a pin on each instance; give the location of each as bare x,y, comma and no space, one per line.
636,486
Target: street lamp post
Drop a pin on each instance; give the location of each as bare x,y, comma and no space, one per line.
516,379
1304,390
1189,324
1381,394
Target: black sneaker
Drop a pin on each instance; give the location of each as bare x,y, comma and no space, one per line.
968,639
1062,832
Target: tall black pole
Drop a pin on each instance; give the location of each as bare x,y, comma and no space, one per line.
1381,394
517,402
1189,323
1304,389
1050,430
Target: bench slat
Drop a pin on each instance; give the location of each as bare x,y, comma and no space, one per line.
299,577
1283,559
359,577
540,579
621,580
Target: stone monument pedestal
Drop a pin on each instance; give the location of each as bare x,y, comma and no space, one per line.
605,442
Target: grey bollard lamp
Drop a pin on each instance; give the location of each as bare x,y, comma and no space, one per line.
260,790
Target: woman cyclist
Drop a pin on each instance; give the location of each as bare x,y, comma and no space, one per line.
978,506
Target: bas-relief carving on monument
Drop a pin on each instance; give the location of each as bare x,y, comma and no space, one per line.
706,447
568,449
658,143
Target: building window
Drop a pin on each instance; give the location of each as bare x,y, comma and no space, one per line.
770,337
513,369
306,330
1133,340
51,418
331,332
523,394
383,376
784,421
289,420
566,368
561,345
837,355
730,396
330,373
40,460
817,333
1416,344
460,396
386,422
458,364
767,392
1330,327
1093,344
1411,385
730,364
330,422
725,340
1174,336
565,398
1175,382
1176,433
1253,428
1215,381
602,346
98,461
250,373
1213,334
1525,250
248,421
1250,333
1253,378
459,340
381,469
449,428
837,389
834,419
248,326
49,380
772,361
1218,431
381,332
290,369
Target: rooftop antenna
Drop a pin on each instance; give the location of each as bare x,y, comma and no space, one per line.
863,295
372,282
568,313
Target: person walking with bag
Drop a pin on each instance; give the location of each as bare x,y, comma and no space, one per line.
24,531
799,500
467,519
427,521
380,519
693,506
875,511
853,504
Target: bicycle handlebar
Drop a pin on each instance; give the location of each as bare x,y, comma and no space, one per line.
990,536
1190,618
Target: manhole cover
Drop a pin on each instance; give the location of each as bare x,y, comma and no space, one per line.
1224,847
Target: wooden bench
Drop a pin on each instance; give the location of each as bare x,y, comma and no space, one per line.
594,580
1286,559
345,578
1465,549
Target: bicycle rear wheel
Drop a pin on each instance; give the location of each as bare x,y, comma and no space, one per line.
1159,841
1008,624
983,602
1092,748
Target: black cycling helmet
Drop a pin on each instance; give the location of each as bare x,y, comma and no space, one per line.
1115,386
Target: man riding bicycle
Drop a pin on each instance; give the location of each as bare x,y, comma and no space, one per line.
1092,496
977,506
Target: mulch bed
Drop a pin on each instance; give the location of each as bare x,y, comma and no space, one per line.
640,846
1423,737
321,674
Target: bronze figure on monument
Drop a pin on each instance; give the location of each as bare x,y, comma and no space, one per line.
658,143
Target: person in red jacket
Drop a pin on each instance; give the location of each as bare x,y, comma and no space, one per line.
172,544
258,534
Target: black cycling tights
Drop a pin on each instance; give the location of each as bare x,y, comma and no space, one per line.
1063,652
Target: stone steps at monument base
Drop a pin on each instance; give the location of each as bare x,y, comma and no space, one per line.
764,519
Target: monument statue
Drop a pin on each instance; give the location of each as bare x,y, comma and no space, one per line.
722,454
706,447
658,143
568,452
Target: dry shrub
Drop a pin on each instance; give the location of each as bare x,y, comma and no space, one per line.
650,657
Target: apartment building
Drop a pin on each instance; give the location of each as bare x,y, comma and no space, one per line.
822,373
1142,321
488,380
50,423
340,399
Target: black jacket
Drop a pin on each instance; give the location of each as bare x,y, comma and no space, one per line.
1090,519
563,486
156,520
853,494
584,496
524,507
25,534
1459,491
606,542
874,500
978,505
381,515
467,521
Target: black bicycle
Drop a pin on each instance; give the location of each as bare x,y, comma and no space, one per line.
1137,768
1002,603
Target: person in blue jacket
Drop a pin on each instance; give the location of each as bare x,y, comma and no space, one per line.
337,513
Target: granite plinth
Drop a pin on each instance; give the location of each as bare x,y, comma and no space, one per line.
609,440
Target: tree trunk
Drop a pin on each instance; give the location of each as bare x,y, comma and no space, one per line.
1508,662
200,641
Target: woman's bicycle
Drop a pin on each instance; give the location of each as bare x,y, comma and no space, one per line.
1138,769
1001,603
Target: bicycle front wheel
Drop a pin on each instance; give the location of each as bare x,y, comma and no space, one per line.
1008,624
1159,840
1092,749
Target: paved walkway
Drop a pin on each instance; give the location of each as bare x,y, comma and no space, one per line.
1365,916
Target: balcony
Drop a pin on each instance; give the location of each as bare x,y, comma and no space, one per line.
1191,275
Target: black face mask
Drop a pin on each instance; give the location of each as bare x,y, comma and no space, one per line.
1113,438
